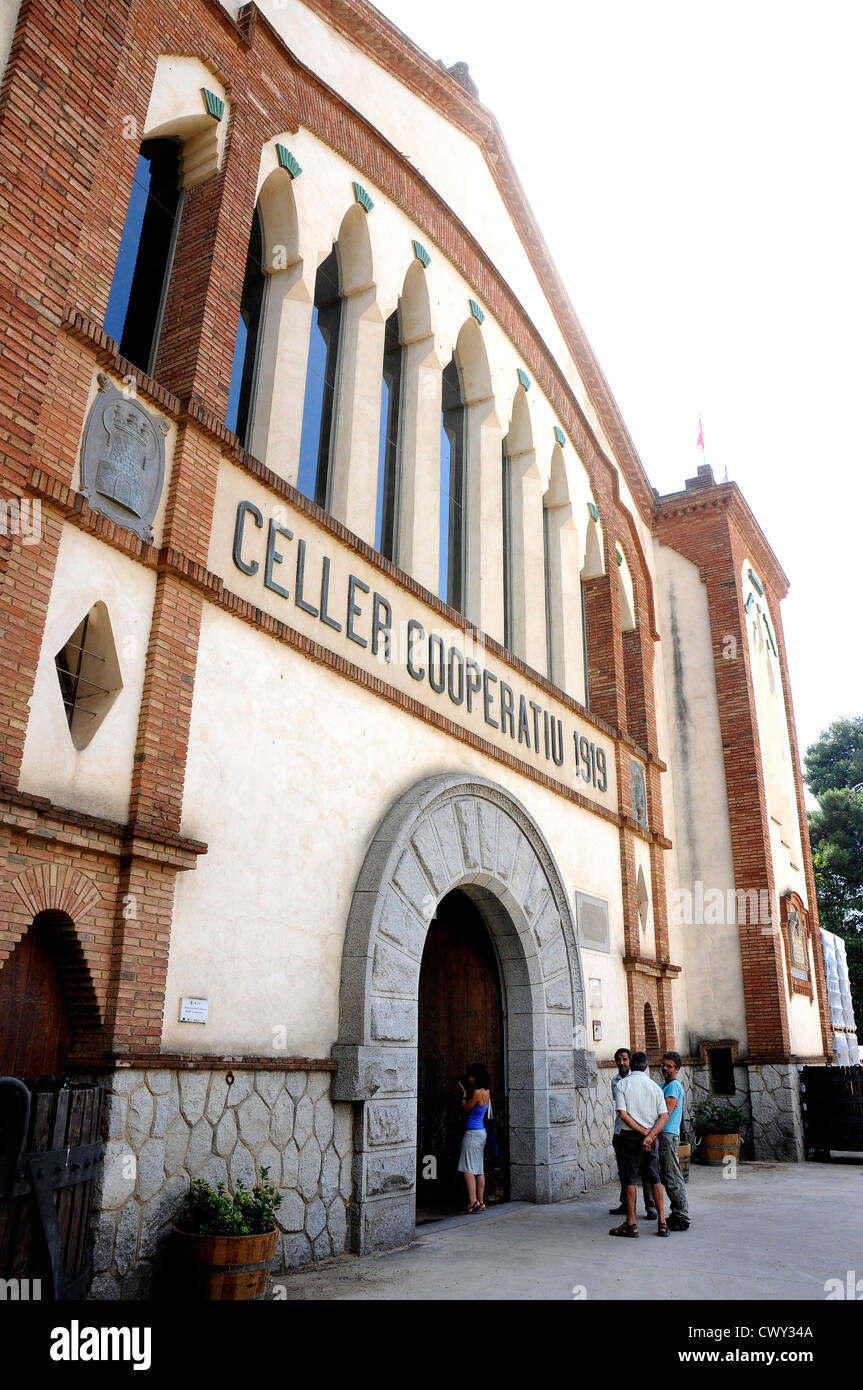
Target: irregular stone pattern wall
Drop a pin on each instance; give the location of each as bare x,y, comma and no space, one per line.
165,1127
595,1117
777,1116
769,1096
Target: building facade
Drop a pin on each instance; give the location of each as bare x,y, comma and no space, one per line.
363,706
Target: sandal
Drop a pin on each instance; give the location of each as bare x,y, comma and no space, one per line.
662,1229
468,1211
624,1230
480,1206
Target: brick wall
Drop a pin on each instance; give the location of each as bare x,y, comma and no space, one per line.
79,74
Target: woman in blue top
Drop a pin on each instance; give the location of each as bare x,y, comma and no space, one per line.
475,1099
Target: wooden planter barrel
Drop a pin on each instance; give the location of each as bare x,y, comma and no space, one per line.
50,1152
219,1268
715,1148
684,1154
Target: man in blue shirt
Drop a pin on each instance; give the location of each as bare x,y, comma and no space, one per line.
669,1138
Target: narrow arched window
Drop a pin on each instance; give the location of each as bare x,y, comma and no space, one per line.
136,302
319,403
452,489
506,515
547,584
241,393
386,523
584,651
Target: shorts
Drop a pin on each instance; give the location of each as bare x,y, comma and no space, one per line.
470,1159
635,1162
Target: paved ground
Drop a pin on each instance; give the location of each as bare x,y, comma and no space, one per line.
778,1231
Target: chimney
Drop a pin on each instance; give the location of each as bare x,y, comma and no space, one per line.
704,478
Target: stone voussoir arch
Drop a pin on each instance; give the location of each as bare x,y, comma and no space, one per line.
448,832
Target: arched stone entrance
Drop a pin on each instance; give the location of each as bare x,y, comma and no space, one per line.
452,832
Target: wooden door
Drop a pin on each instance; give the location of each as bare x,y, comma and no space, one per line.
35,1028
460,1021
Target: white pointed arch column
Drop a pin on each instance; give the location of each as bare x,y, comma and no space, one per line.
563,580
483,587
356,421
278,405
527,559
449,832
419,512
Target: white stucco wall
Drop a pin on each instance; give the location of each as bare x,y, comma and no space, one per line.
97,778
772,714
236,486
713,1003
291,768
785,841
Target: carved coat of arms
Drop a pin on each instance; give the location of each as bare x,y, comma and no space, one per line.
123,459
639,792
797,942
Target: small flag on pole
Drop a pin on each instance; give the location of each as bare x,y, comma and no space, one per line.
700,443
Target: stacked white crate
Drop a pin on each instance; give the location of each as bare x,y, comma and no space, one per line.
845,1043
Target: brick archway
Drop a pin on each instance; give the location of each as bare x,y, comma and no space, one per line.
66,903
52,888
457,832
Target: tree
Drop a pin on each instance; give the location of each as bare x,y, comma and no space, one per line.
834,772
835,762
836,833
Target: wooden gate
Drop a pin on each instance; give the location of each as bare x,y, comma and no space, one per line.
35,1026
460,1021
50,1153
832,1109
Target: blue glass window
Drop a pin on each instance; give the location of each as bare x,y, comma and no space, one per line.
506,514
386,524
452,489
137,296
313,479
247,345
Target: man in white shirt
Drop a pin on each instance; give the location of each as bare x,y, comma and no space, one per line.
643,1113
623,1058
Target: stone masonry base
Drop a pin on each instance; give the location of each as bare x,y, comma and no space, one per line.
166,1127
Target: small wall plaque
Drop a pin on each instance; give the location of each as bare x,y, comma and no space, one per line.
597,1030
194,1010
123,459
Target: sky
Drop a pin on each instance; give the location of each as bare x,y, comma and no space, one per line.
696,172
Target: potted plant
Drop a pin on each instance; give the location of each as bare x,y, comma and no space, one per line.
225,1242
717,1125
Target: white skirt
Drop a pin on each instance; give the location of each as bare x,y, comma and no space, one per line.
472,1146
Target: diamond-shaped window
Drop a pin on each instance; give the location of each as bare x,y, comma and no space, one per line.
643,899
89,674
